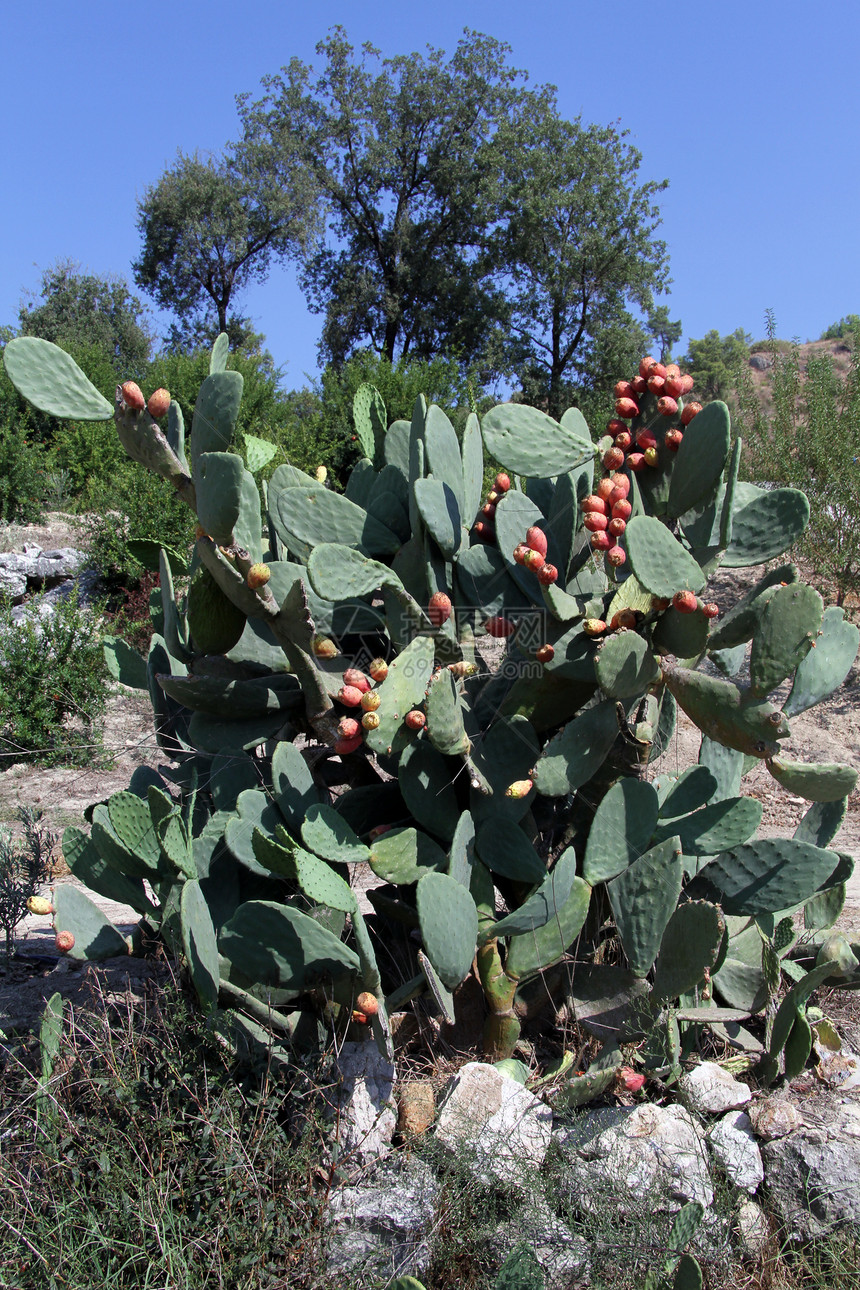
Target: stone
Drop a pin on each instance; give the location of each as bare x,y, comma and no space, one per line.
499,1124
366,1114
13,585
416,1108
381,1227
564,1258
752,1228
760,362
711,1090
735,1148
616,1153
813,1179
774,1117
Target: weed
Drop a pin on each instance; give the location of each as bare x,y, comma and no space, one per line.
25,864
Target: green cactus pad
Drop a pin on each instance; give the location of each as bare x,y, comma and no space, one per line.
683,635
87,864
621,829
328,835
425,782
659,561
825,668
275,945
440,512
132,824
215,414
445,727
504,755
342,573
403,856
215,623
700,460
515,514
449,926
530,443
397,447
96,938
473,468
690,946
822,911
725,764
322,885
232,699
444,998
531,952
214,734
766,526
220,353
402,689
461,857
254,809
51,380
176,844
360,484
625,666
725,714
737,626
821,822
484,579
310,515
714,828
784,635
174,628
442,448
199,944
816,782
293,784
368,414
545,903
643,897
692,789
572,757
763,876
728,662
176,434
124,663
508,852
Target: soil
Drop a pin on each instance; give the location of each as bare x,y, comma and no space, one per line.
829,732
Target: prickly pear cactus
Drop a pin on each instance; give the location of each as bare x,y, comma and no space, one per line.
467,696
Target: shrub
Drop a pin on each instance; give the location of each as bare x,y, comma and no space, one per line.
135,505
52,685
25,863
844,327
22,470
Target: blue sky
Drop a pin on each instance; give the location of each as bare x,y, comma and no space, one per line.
750,110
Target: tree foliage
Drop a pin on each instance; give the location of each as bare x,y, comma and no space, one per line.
846,326
714,361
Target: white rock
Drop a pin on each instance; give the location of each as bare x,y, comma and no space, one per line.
367,1114
774,1117
736,1149
753,1229
711,1090
382,1226
497,1122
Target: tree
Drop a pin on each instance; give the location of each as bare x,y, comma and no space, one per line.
714,361
211,227
574,248
404,159
664,331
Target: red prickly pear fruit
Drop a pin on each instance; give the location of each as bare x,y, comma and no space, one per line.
619,481
370,721
600,541
595,523
415,719
439,608
367,1003
499,627
616,556
360,1018
502,482
652,457
624,440
370,701
687,382
646,439
536,540
658,370
545,654
347,727
258,575
379,830
613,458
623,620
674,387
626,408
158,403
645,365
520,552
629,1080
656,384
615,426
488,510
673,439
378,669
343,747
616,527
533,560
617,495
547,575
519,788
640,385
667,407
690,410
593,503
132,396
65,942
349,696
672,371
710,610
685,602
659,603
485,529
604,488
594,626
621,510
323,647
353,677
623,390
635,462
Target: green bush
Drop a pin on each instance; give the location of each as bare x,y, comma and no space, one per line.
134,505
22,470
25,864
845,327
52,686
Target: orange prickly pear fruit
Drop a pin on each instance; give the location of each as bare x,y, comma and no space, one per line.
158,404
349,695
370,721
378,669
594,626
545,654
533,560
710,610
635,462
685,602
65,941
623,390
502,483
39,905
370,701
594,522
593,503
652,457
347,727
645,365
439,608
613,458
673,439
258,576
616,556
547,575
415,719
667,407
600,541
519,788
132,396
689,411
353,677
323,647
499,627
367,1003
343,747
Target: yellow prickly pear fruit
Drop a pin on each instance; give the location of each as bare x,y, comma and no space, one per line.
323,647
378,669
519,788
39,905
321,474
258,576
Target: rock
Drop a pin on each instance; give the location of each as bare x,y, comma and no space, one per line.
774,1117
736,1149
753,1229
39,566
13,585
711,1090
760,362
621,1154
416,1108
497,1122
813,1178
565,1258
381,1227
366,1114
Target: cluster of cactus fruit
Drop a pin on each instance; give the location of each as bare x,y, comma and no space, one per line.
324,691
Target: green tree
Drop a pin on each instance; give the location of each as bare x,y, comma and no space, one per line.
404,158
844,327
574,249
664,331
209,229
714,361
